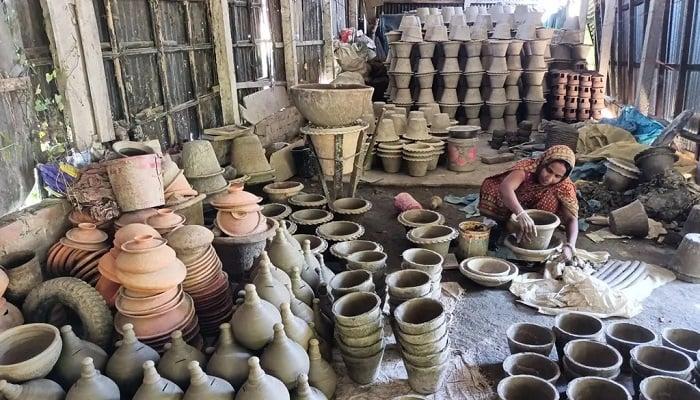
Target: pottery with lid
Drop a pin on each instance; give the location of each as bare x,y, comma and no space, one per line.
234,198
87,233
145,254
165,220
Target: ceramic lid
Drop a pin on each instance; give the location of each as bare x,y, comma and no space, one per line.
86,233
190,237
143,243
165,218
235,197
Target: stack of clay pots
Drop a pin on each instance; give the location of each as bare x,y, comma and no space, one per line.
474,73
572,95
401,70
165,220
585,93
78,253
374,262
359,333
497,74
177,189
597,95
558,87
439,146
201,167
405,285
205,281
420,327
515,71
426,261
450,73
248,158
239,213
535,70
151,297
425,73
417,157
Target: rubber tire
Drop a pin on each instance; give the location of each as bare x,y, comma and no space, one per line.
77,295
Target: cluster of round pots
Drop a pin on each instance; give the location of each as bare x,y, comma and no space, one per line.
78,253
359,328
593,356
420,327
488,271
239,212
427,261
577,96
407,284
201,167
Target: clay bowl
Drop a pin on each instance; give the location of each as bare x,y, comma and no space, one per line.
239,224
279,192
532,364
308,220
350,208
343,250
420,315
525,387
532,255
487,266
531,338
340,231
318,245
684,340
29,351
665,387
408,284
624,336
572,326
489,281
422,259
306,200
152,325
276,211
356,309
414,218
350,282
647,360
331,105
585,357
594,388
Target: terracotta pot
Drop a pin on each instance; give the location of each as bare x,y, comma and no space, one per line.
24,274
665,387
160,323
260,385
135,303
284,359
253,320
165,220
524,386
532,364
137,182
68,367
145,254
530,338
155,387
29,351
203,386
93,385
86,233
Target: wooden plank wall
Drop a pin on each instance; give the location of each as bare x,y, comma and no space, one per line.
309,31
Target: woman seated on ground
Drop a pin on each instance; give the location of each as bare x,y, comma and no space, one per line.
539,183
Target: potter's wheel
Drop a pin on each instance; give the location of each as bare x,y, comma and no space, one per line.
532,255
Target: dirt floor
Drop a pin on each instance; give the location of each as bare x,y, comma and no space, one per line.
482,315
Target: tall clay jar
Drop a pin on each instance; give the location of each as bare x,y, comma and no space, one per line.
283,254
229,361
260,385
254,320
203,386
92,385
155,387
321,373
284,358
174,363
125,366
68,367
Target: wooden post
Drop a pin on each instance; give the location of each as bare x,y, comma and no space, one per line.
353,10
225,65
650,51
291,68
327,35
606,38
583,18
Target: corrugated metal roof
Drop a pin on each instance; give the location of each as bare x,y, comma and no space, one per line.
694,56
675,30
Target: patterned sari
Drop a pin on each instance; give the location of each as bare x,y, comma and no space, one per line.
531,194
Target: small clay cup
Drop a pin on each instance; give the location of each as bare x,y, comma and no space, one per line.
524,337
532,364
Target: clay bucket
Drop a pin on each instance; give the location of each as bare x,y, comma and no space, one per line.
532,364
533,78
472,96
434,237
402,49
498,65
372,261
23,274
534,93
572,326
655,161
683,340
513,93
402,67
513,63
426,380
276,211
496,111
425,66
545,223
450,80
343,250
331,105
583,357
309,219
324,142
199,159
666,388
449,96
497,96
433,20
450,49
408,284
460,33
29,351
515,47
420,315
137,181
473,65
526,32
426,360
594,388
624,336
355,309
524,387
498,48
348,282
425,80
363,370
426,49
533,108
424,260
630,220
450,65
530,338
647,360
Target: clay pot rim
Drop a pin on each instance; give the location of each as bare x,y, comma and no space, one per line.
395,279
446,233
321,245
675,381
602,346
359,230
504,271
169,303
405,218
18,368
317,216
585,380
357,206
610,334
285,187
666,332
369,311
512,361
337,249
439,259
381,257
635,353
559,319
513,380
512,331
436,314
309,200
354,275
490,281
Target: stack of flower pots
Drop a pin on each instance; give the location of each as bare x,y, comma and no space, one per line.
426,261
584,96
474,73
78,253
597,95
374,262
498,73
389,62
515,71
359,332
572,95
420,327
417,157
450,73
425,73
533,77
391,155
439,146
205,281
239,212
401,71
202,168
405,285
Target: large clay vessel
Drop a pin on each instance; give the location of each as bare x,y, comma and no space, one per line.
92,385
24,274
309,273
284,358
253,320
299,308
29,351
155,387
43,389
174,363
283,254
306,392
125,366
321,373
268,287
296,328
68,367
203,386
300,288
229,361
331,105
260,385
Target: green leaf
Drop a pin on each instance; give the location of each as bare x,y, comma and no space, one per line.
58,99
40,106
51,76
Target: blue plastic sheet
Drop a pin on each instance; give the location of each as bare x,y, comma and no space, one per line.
644,129
470,203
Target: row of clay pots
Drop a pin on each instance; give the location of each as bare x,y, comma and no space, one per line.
78,253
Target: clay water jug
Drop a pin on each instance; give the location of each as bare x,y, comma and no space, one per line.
229,361
277,273
324,347
296,328
306,392
174,363
321,374
43,389
299,308
284,359
205,387
269,288
92,385
324,326
326,274
68,367
309,273
300,288
125,366
261,386
254,320
283,255
288,235
155,387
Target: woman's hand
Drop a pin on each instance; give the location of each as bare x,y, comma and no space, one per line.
569,252
527,226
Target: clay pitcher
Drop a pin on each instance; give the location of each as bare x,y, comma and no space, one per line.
321,373
92,385
125,366
277,273
68,367
254,319
268,287
284,358
174,363
155,387
203,386
299,308
309,274
229,361
306,392
283,255
260,385
43,389
300,288
296,328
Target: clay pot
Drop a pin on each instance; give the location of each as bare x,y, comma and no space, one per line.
647,360
284,359
281,191
350,208
306,392
165,220
199,159
331,105
43,389
665,387
415,218
350,282
340,231
356,309
424,260
433,237
532,364
125,365
74,350
260,385
630,220
594,388
530,338
29,351
283,254
253,320
306,200
343,250
309,219
93,385
583,357
321,373
24,274
316,244
248,158
417,316
573,326
686,341
229,360
155,387
276,211
296,328
203,386
408,284
624,336
526,387
312,266
146,254
137,182
363,370
545,224
86,233
173,364
300,288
